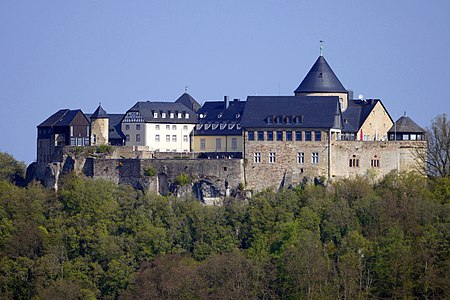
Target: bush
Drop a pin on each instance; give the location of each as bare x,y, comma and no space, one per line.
104,149
150,171
183,179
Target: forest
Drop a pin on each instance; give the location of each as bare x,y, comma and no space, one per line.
351,239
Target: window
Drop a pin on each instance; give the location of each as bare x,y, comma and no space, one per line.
157,127
167,138
179,115
185,138
163,115
138,137
251,135
315,157
174,138
185,127
218,144
171,115
272,157
157,138
167,127
375,162
138,126
174,127
128,137
127,127
95,139
269,120
260,135
279,135
317,136
353,162
288,120
234,144
288,135
202,144
298,135
301,157
155,115
186,116
307,135
270,135
405,137
298,120
257,157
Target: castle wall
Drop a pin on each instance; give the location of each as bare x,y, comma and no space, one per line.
288,168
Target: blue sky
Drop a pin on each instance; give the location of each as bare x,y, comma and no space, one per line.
75,54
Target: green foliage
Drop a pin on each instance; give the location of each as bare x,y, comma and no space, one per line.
104,149
183,179
349,240
10,168
150,171
78,150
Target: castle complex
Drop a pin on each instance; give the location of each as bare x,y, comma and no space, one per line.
268,141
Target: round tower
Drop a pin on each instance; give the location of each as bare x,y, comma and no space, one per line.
99,127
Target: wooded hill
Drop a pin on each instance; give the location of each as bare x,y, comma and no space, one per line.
352,239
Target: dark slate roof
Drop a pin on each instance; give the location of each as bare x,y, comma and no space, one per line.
357,112
406,125
115,131
99,113
314,111
214,119
63,117
188,101
320,78
146,110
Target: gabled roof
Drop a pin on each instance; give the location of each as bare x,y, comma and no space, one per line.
320,78
148,108
225,121
188,101
63,117
357,112
99,113
406,125
313,111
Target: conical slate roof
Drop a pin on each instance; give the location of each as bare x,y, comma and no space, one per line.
406,125
320,78
99,113
188,101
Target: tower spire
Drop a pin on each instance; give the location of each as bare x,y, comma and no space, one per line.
321,48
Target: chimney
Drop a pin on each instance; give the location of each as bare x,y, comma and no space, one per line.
226,101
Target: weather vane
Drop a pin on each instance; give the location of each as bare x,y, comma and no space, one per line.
321,48
185,88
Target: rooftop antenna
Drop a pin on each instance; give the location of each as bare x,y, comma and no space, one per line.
321,48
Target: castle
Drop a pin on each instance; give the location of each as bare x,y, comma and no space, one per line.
263,142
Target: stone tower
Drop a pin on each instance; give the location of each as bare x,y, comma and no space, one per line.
99,127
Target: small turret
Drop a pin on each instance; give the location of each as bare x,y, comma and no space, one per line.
99,126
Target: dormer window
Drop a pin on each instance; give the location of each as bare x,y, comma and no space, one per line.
269,120
219,115
278,119
155,115
163,115
298,120
238,115
171,115
179,115
186,116
288,120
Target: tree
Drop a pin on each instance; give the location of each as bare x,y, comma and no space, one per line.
11,169
438,153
